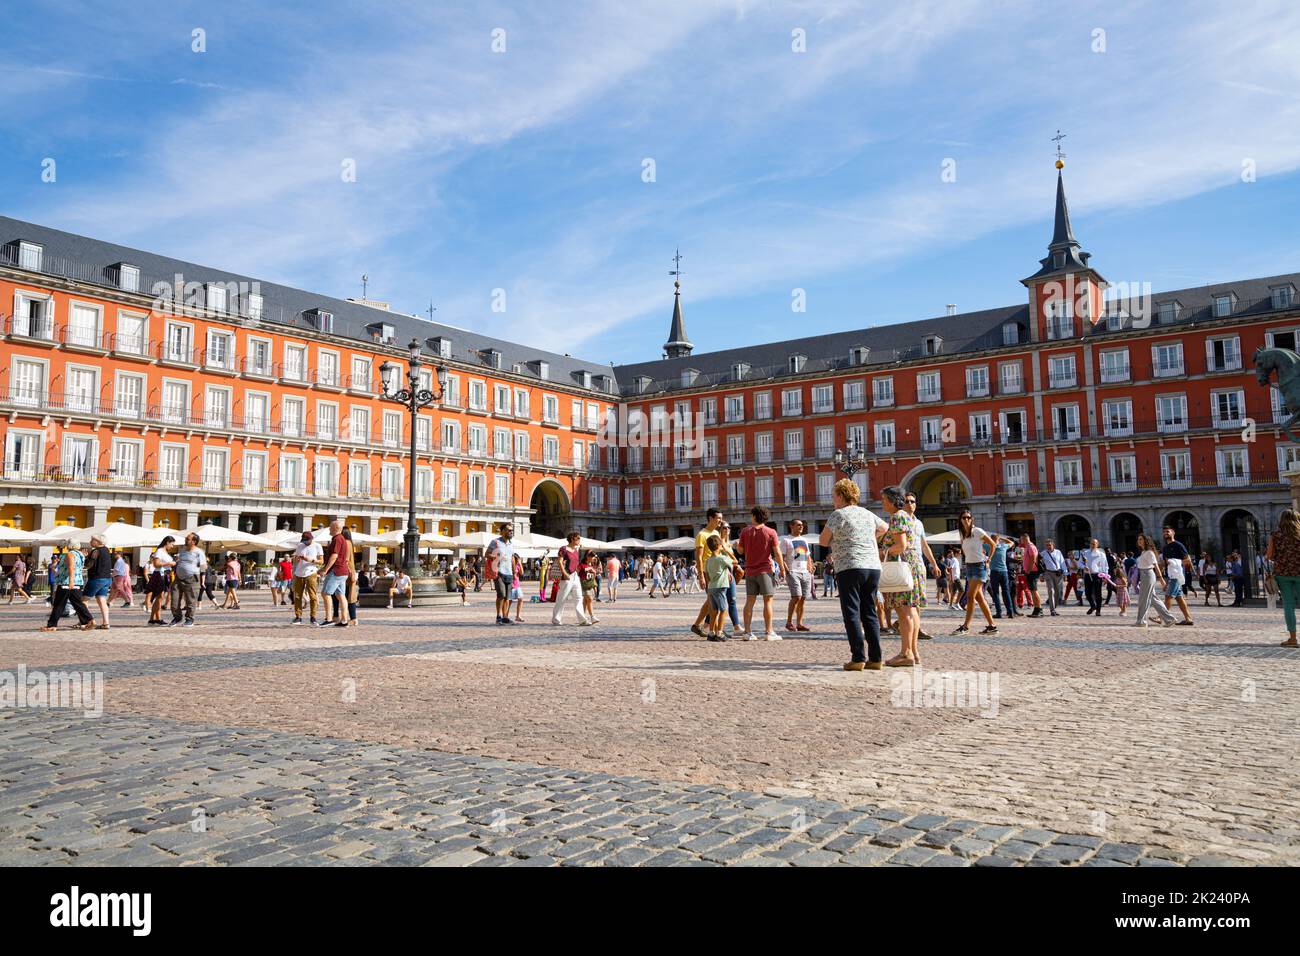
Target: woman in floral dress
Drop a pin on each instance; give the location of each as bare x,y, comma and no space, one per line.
906,604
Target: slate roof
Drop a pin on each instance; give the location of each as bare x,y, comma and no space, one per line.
89,260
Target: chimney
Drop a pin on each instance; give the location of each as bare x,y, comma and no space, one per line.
952,308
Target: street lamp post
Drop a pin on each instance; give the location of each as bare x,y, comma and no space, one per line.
849,460
414,398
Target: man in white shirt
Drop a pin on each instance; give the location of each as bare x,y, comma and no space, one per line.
1054,567
796,550
307,558
1094,566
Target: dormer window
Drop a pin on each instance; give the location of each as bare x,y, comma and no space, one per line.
324,322
492,357
584,378
1222,306
1167,311
642,383
1283,296
255,305
797,363
932,345
540,369
30,256
128,277
739,371
441,346
689,375
216,297
858,355
1011,334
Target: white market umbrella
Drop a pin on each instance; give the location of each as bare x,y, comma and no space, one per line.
214,537
428,539
944,537
536,540
672,544
591,544
19,536
474,539
623,544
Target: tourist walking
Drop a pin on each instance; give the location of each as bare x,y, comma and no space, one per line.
922,555
797,553
335,574
1094,566
1236,569
975,570
191,562
590,574
717,571
307,559
1149,576
232,572
517,588
99,577
1000,576
122,581
1177,563
1284,553
830,583
569,564
613,568
498,566
760,548
69,579
209,590
1209,572
852,533
161,563
712,519
1029,567
1054,567
18,581
906,602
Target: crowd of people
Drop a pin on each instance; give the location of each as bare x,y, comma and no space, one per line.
877,566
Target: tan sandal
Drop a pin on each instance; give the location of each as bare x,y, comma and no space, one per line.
50,628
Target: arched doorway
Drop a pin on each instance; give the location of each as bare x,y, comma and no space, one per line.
1239,531
1124,530
941,494
1186,529
1073,532
551,510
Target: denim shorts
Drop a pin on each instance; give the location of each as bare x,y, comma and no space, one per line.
97,587
718,599
1173,587
335,584
975,571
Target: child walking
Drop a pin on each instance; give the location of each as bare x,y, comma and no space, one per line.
717,574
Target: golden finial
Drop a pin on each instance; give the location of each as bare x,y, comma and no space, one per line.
1060,156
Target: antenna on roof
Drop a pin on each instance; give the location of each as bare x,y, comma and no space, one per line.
365,281
432,309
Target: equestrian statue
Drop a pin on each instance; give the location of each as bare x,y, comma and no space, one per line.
1286,364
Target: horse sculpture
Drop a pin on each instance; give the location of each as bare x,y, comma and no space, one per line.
1287,365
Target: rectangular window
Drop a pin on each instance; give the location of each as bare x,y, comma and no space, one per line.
551,451
709,411
1065,422
128,398
359,424
28,383
327,421
882,391
981,428
171,465
450,484
359,479
736,492
736,408
175,402
794,445
130,334
1176,469
258,361
763,447
1223,355
1228,409
1171,413
127,456
823,399
180,344
293,417
1015,476
825,442
216,407
295,363
762,406
550,410
1114,366
1060,371
216,469
931,434
927,387
884,438
327,368
735,449
1123,473
977,381
257,413
854,396
1234,467
392,429
83,326
83,389
1010,378
1069,475
1117,418
221,352
1167,359
683,497
478,441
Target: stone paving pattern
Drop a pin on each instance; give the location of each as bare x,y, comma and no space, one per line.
633,742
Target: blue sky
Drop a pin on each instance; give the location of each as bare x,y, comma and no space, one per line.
774,170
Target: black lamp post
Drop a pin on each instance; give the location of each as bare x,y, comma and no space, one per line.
849,460
414,398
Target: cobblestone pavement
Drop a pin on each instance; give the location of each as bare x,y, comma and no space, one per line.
429,737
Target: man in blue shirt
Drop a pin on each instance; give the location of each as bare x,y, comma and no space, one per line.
999,576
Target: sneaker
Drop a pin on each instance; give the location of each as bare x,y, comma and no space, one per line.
296,620
997,615
174,622
1183,623
390,605
698,631
875,665
1037,612
188,624
855,666
1055,613
323,623
991,629
961,629
750,635
922,636
717,638
771,636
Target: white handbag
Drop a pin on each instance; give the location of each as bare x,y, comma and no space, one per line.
895,576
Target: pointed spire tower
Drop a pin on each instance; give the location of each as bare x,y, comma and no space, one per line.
678,345
1065,289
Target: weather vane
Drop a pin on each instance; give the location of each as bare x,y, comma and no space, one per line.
1060,156
677,273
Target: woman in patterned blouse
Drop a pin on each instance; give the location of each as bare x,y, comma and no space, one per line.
907,604
1284,552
